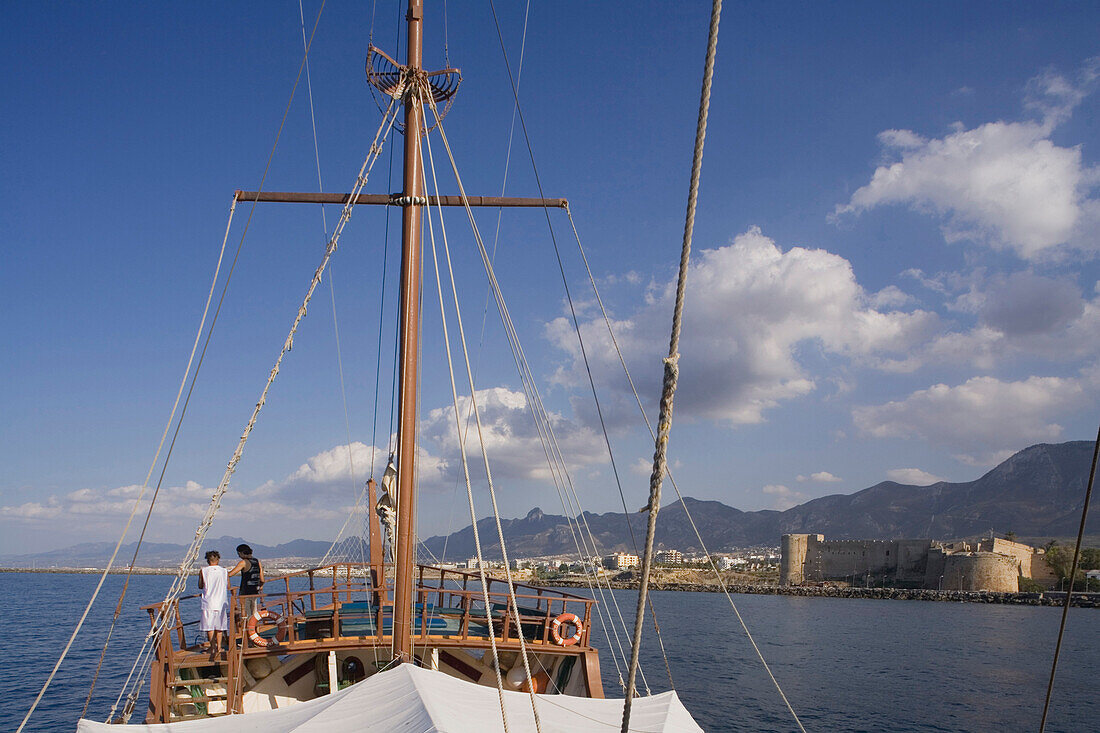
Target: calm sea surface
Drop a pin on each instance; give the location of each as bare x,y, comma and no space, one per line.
845,665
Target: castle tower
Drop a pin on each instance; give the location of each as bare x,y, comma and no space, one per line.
792,561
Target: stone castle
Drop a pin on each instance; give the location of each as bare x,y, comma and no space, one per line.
989,564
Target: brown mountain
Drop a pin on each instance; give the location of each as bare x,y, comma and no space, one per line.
1037,493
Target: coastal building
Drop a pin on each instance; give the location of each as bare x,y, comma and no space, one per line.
621,561
724,562
989,564
669,557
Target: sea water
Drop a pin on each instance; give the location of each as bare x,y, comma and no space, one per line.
844,664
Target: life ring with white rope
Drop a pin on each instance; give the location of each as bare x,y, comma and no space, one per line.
263,616
555,629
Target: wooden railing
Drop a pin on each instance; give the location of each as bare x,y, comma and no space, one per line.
341,605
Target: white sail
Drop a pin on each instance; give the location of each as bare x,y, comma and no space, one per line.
411,698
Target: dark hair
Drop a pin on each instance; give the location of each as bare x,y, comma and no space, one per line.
212,553
244,549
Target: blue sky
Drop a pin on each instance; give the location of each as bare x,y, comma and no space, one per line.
894,273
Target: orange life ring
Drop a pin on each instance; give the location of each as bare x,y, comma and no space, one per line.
263,616
555,629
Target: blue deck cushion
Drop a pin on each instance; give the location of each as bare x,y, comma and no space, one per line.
523,612
365,626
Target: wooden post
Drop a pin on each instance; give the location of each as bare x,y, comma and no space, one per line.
377,572
409,349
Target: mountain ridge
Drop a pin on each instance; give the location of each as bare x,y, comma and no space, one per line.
1036,493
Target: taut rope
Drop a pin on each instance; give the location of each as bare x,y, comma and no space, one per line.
1072,576
664,422
180,582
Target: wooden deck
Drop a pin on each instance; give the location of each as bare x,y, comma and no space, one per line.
346,606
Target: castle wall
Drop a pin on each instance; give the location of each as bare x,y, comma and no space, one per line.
993,564
934,568
1042,572
912,561
1023,553
850,559
981,571
792,560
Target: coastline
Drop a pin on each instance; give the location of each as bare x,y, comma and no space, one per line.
1048,598
91,571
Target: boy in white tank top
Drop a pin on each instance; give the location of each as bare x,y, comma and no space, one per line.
214,584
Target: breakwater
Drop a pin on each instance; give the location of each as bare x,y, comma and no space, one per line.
1049,598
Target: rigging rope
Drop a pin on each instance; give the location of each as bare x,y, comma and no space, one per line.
480,434
178,585
496,239
668,471
469,487
332,296
671,368
171,446
152,503
1072,577
133,511
527,379
576,325
382,302
202,355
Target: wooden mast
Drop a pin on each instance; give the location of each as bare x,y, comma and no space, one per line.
408,356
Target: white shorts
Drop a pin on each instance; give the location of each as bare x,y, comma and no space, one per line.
214,620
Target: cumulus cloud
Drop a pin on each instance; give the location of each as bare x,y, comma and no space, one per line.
1020,314
1024,304
511,439
1004,184
753,307
823,477
106,507
318,490
342,463
90,504
782,497
33,510
912,476
1055,97
985,419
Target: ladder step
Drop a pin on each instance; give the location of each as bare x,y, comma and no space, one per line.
192,700
179,718
198,662
200,681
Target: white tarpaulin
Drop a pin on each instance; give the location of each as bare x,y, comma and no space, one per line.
417,700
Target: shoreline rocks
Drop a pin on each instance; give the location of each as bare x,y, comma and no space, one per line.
1049,598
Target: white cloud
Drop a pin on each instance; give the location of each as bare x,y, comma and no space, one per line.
318,491
891,297
33,510
1054,97
912,476
103,507
751,308
512,441
823,477
1024,304
1021,314
337,464
1004,184
984,419
783,497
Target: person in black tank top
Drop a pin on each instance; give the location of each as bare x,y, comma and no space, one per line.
252,579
